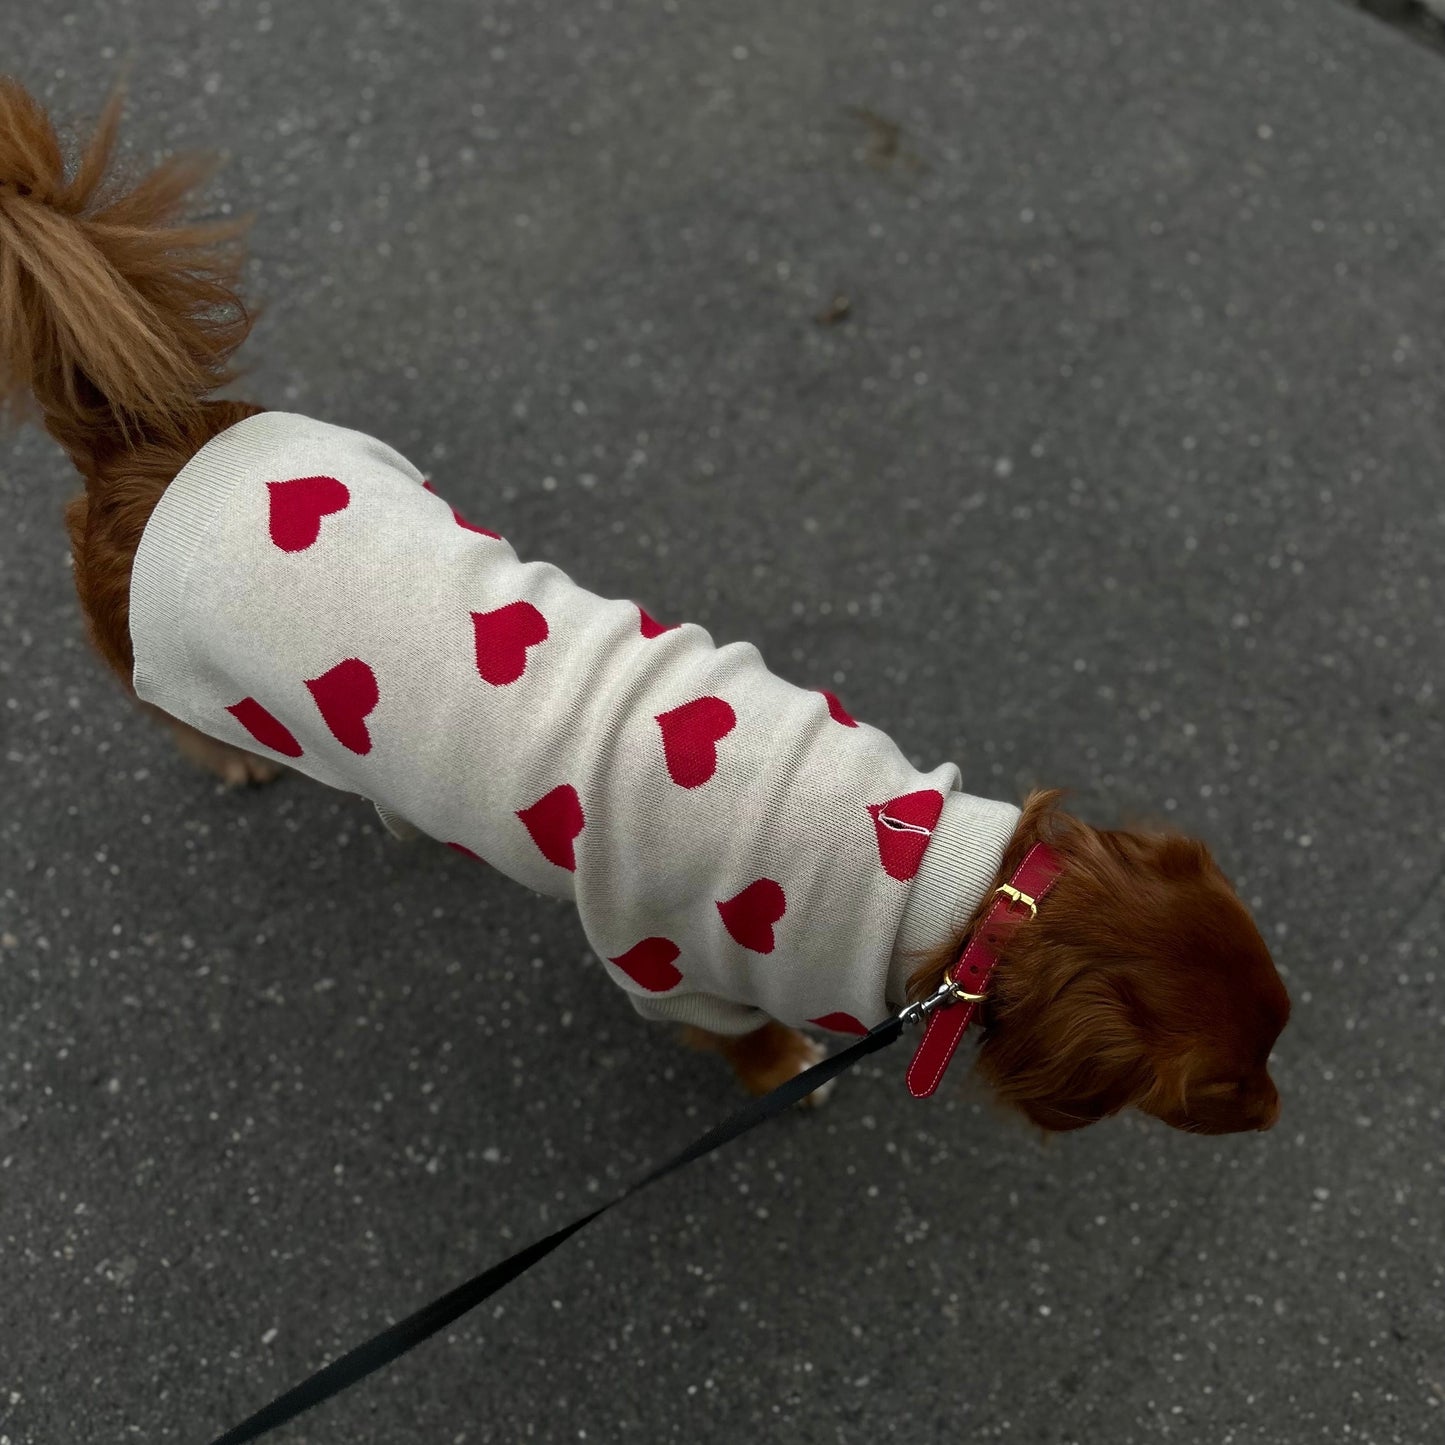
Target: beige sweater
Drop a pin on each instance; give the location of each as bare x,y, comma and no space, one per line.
738,848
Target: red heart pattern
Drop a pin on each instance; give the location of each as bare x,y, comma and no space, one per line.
749,916
650,964
269,731
554,821
649,626
345,695
502,640
460,520
298,506
840,1023
904,825
837,711
690,735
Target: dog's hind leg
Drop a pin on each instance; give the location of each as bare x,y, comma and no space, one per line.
104,534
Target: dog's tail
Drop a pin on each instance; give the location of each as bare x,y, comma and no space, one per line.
117,319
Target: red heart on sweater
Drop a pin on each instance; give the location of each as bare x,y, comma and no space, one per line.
649,625
690,736
837,711
649,964
298,506
460,520
840,1024
554,821
749,916
344,695
503,638
267,730
904,826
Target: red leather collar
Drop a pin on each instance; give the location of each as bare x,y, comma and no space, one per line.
966,981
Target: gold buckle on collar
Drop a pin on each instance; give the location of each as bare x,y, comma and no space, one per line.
1016,895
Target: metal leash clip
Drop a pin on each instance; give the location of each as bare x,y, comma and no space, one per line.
948,992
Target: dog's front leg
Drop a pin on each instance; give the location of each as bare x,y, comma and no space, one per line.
765,1058
234,766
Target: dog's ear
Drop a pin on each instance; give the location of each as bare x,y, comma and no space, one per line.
1073,1058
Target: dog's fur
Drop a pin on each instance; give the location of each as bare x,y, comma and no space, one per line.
1142,982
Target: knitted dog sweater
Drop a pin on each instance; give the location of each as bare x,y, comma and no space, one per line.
738,848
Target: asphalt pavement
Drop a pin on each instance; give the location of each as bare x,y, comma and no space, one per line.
1060,382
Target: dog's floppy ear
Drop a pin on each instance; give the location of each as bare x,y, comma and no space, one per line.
1071,1059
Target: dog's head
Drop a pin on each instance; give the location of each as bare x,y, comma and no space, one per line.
1143,982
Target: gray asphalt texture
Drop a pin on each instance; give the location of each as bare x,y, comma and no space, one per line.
1123,472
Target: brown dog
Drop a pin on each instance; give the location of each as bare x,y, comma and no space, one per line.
1142,981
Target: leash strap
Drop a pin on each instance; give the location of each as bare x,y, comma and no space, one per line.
381,1349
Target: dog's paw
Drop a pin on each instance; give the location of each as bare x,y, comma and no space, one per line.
234,766
766,1058
246,770
816,1053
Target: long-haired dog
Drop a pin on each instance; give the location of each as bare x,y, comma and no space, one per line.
1142,981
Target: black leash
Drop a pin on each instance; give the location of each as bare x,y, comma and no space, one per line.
381,1349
